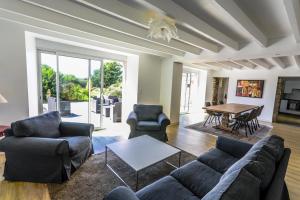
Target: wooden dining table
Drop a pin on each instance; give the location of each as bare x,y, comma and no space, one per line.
227,110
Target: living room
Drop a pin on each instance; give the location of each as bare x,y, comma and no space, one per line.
84,83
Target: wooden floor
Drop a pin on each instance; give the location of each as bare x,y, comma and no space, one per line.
290,119
188,140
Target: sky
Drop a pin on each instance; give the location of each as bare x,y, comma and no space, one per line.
70,65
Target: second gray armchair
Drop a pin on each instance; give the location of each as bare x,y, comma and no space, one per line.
148,120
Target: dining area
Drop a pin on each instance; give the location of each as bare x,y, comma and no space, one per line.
233,117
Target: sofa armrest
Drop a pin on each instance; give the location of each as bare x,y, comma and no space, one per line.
34,145
233,147
163,120
8,132
121,193
76,129
132,120
277,189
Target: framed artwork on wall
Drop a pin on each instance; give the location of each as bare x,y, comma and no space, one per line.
250,88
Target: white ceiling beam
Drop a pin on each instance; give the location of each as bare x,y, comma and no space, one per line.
48,30
34,16
78,11
279,62
244,63
240,17
261,62
192,22
280,48
296,60
220,65
125,12
202,66
292,8
231,64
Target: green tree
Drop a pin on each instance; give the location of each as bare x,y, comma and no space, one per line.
112,75
95,78
73,92
48,81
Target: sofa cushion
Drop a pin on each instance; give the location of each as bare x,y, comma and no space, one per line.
272,144
121,193
77,144
237,185
167,188
197,177
218,160
259,163
46,125
147,112
148,126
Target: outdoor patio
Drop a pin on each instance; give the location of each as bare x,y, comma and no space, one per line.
80,113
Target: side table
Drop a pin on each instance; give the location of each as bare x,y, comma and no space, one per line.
2,129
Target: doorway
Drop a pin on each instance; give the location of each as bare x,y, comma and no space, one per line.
220,90
287,101
83,89
188,91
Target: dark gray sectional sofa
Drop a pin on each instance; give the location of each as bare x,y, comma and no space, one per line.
44,149
233,170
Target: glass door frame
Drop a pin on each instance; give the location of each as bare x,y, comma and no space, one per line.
187,97
73,55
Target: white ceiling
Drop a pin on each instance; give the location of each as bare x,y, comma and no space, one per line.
212,33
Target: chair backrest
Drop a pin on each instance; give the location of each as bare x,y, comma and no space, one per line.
45,125
207,104
147,112
252,114
260,110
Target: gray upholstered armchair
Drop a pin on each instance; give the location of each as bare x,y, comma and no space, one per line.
45,149
148,120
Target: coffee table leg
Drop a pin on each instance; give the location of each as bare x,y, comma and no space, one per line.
105,155
137,181
179,159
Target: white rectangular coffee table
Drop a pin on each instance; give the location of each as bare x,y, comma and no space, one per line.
140,153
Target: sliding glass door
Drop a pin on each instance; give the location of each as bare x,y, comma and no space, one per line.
73,86
73,89
48,90
96,93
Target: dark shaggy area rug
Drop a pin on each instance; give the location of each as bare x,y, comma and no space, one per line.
93,180
263,131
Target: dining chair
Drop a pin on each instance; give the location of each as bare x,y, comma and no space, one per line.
260,109
245,121
212,116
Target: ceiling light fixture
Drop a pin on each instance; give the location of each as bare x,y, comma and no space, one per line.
162,27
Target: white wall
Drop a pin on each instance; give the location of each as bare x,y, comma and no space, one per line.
166,85
270,86
149,79
170,89
176,92
13,82
130,89
209,87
